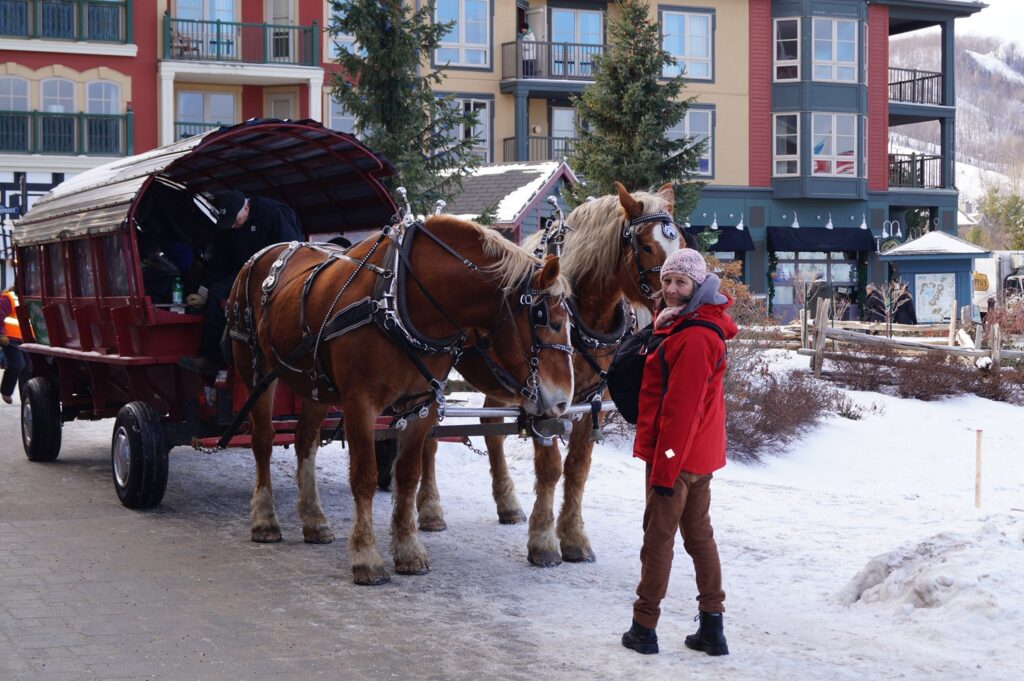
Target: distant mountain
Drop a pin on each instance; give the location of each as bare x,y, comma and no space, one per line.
990,104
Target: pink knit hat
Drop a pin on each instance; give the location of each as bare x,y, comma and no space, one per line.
686,261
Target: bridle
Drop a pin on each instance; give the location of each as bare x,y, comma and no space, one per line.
629,236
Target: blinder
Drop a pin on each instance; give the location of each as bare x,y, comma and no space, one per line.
629,235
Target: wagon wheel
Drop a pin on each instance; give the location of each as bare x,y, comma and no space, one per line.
40,419
138,454
387,452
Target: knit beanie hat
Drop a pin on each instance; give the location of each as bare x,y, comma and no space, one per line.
686,261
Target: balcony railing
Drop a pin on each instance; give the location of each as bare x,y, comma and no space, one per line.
74,134
193,40
551,61
539,148
914,86
183,129
915,170
96,20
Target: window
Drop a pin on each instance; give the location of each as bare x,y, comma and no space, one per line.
696,125
82,283
466,44
56,285
342,43
834,144
787,145
13,94
835,50
114,272
57,123
201,111
479,133
339,118
28,261
687,37
577,36
834,271
787,49
102,130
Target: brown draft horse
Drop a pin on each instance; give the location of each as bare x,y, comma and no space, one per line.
607,261
459,278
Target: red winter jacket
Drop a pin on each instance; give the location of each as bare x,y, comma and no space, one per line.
682,424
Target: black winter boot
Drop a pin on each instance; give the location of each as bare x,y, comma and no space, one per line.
641,639
709,636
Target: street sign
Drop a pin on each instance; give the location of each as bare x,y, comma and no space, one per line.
10,210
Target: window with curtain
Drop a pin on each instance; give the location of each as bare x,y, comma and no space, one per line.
786,154
834,144
687,37
835,50
787,49
697,127
467,42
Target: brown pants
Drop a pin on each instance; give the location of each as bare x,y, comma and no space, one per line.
687,511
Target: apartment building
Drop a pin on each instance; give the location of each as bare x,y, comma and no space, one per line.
794,97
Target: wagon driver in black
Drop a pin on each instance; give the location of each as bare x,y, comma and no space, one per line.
245,225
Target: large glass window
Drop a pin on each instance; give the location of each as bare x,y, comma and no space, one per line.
339,118
835,50
576,38
817,273
834,144
697,125
467,43
787,145
201,111
481,132
787,49
102,131
687,37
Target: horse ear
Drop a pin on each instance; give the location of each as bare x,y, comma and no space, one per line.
631,205
668,194
548,274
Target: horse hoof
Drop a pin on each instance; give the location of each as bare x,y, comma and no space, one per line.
512,517
578,554
544,558
266,535
438,525
368,576
418,567
318,535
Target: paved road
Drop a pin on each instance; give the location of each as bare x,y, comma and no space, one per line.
91,590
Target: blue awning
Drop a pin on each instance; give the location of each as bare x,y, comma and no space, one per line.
729,238
820,239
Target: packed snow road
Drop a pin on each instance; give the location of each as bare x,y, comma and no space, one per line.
857,554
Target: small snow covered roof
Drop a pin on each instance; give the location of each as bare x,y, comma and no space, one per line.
511,187
936,244
965,220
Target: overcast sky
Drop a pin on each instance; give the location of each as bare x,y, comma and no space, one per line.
1002,18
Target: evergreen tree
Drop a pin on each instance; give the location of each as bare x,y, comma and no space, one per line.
388,86
621,119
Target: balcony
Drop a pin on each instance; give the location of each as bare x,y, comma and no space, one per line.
228,41
539,148
548,61
69,134
183,129
916,171
92,20
915,87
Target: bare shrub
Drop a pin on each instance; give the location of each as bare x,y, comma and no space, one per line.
868,369
932,376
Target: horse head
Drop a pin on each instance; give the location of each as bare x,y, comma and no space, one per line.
649,235
527,347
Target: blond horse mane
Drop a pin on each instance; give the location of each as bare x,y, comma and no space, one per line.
513,264
592,241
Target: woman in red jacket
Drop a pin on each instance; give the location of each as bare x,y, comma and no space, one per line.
681,436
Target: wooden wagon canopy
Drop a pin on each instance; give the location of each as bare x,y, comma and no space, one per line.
328,177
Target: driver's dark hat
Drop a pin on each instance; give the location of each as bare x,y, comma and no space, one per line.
228,204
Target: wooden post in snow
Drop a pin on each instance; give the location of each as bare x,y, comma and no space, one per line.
977,469
952,326
997,351
803,327
820,319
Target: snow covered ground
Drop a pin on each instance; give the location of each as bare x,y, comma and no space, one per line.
857,553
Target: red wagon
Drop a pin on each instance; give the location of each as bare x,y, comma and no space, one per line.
103,340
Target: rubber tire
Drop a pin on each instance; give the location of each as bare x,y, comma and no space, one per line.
143,434
387,452
42,398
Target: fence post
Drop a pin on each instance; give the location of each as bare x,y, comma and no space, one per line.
819,336
803,327
952,326
997,351
977,469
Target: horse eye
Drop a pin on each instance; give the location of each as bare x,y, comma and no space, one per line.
647,249
556,327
